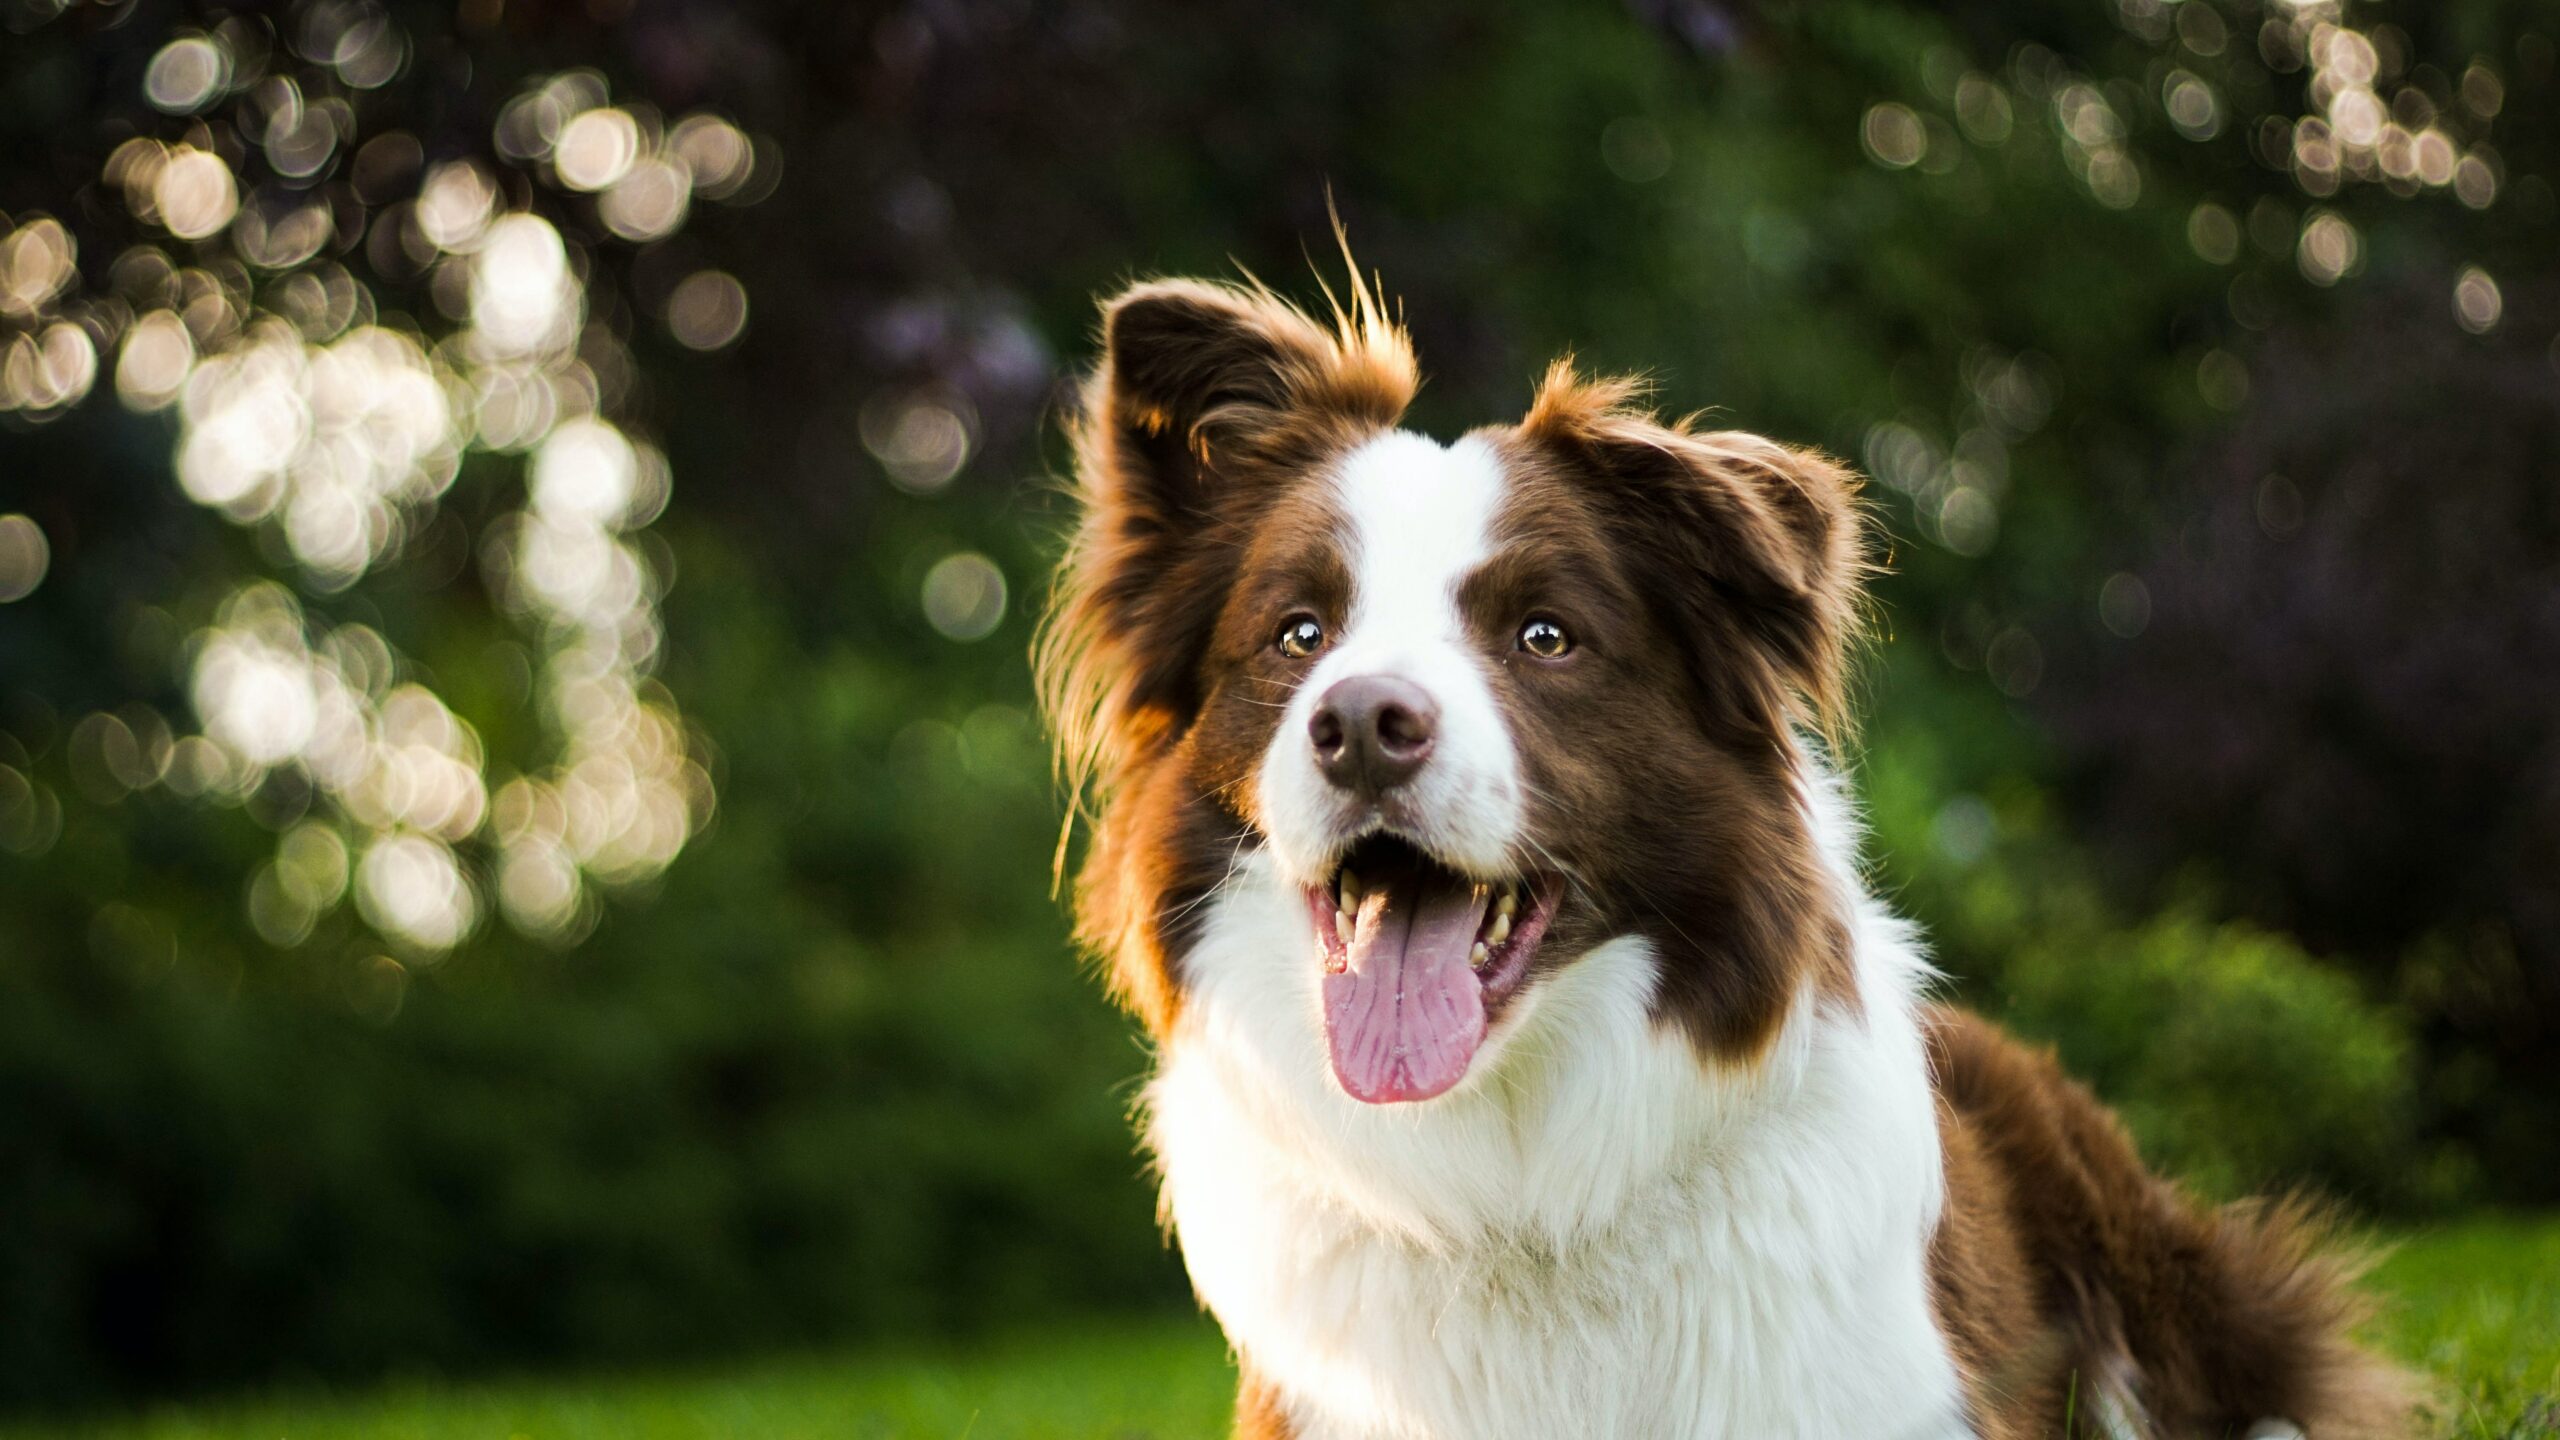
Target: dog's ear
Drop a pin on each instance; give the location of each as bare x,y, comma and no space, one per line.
1201,385
1757,550
1209,400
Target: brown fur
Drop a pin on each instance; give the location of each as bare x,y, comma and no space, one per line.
1211,402
2065,1273
1763,546
1665,724
1712,581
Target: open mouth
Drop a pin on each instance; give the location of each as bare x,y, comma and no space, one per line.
1418,959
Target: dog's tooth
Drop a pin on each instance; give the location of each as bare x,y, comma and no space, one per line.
1479,955
1350,891
1342,925
1501,930
1508,905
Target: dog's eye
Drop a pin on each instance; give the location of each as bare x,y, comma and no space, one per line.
1300,636
1545,639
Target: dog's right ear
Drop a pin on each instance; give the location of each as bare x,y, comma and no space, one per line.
1209,399
1201,384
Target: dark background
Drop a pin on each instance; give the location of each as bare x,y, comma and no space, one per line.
2202,354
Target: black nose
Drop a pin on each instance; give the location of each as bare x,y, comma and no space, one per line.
1372,732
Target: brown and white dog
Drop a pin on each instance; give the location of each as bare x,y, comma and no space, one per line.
1532,1060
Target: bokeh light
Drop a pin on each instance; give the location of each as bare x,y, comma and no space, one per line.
338,431
411,887
964,596
2476,301
455,205
158,354
187,74
716,153
36,264
596,149
707,310
2370,118
523,298
649,201
2214,233
2093,135
1893,136
921,437
194,194
2330,249
47,371
24,557
1983,110
30,813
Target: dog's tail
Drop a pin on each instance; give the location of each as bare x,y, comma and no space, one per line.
2171,1318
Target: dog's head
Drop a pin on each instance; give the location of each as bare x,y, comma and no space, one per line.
1483,706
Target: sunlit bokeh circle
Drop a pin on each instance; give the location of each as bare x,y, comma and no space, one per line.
649,201
538,886
596,149
1983,110
410,888
964,596
455,204
42,374
188,73
522,296
1893,135
2474,183
24,557
921,437
1968,521
584,473
707,310
37,263
2330,249
195,194
2476,301
2193,106
2214,234
715,151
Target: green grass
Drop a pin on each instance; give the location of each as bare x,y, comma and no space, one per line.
2477,1305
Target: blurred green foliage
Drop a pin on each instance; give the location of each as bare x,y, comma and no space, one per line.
837,1075
833,1073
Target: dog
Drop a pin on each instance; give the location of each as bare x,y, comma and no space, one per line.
1531,1060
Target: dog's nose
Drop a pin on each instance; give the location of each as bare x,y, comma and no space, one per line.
1372,732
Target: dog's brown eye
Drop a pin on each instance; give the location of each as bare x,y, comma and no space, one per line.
1300,636
1544,639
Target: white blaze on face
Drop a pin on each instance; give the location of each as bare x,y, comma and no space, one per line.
1418,519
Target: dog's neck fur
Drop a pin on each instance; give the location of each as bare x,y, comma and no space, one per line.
1599,1233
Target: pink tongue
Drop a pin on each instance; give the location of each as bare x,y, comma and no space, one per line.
1404,1018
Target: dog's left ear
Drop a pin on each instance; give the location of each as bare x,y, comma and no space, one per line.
1757,549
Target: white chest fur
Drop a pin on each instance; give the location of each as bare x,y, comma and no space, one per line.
1593,1235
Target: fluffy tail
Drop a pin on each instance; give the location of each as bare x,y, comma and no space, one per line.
2271,1332
2161,1317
